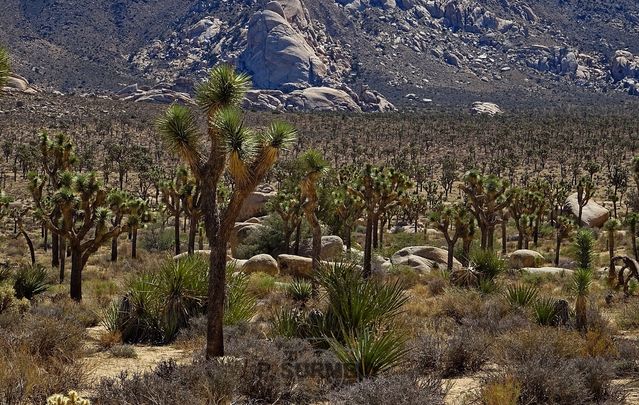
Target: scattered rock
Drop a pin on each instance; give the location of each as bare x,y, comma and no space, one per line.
261,263
593,215
481,107
332,248
424,258
524,258
546,270
295,266
255,204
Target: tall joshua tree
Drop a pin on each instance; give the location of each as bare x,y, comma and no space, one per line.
5,66
611,226
234,151
564,226
454,221
314,166
85,224
172,195
487,197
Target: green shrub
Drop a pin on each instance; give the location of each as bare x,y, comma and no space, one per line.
160,303
366,353
123,351
299,290
584,246
156,239
72,398
521,295
544,311
9,304
487,264
30,281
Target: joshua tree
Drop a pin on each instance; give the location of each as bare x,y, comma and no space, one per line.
618,178
57,156
414,208
234,151
524,206
585,191
172,194
117,202
611,226
453,221
564,227
487,197
380,189
5,66
84,223
314,166
138,212
191,203
632,219
288,206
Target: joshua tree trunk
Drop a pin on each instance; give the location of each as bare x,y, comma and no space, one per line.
200,244
298,237
176,226
374,231
368,245
216,293
55,250
348,238
581,209
114,249
490,237
633,239
134,243
504,237
45,237
451,250
580,314
62,250
557,249
76,275
192,232
611,251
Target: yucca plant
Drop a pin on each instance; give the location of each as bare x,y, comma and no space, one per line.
582,279
235,153
30,281
584,246
299,290
288,322
355,302
487,264
521,295
367,353
240,304
544,311
5,67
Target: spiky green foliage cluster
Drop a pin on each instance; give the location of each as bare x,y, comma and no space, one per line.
9,304
158,304
545,311
30,281
584,247
521,295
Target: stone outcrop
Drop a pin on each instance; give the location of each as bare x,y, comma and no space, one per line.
262,263
255,203
332,247
18,84
158,95
423,258
593,215
525,258
484,108
295,266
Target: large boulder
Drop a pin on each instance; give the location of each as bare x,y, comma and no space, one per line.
255,203
525,258
593,215
332,247
295,266
261,263
277,55
241,231
547,270
424,258
18,84
484,108
321,99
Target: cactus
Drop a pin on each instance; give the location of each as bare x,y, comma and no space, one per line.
72,398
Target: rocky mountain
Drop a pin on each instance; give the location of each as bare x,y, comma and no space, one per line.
350,55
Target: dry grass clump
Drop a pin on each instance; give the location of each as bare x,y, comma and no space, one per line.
38,357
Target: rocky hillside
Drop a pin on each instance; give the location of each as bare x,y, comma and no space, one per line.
355,55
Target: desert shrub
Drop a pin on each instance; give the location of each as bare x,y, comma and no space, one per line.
465,350
9,304
61,307
392,389
551,368
72,398
38,357
5,272
30,281
158,304
628,318
500,391
123,351
267,239
197,383
156,239
261,284
521,295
